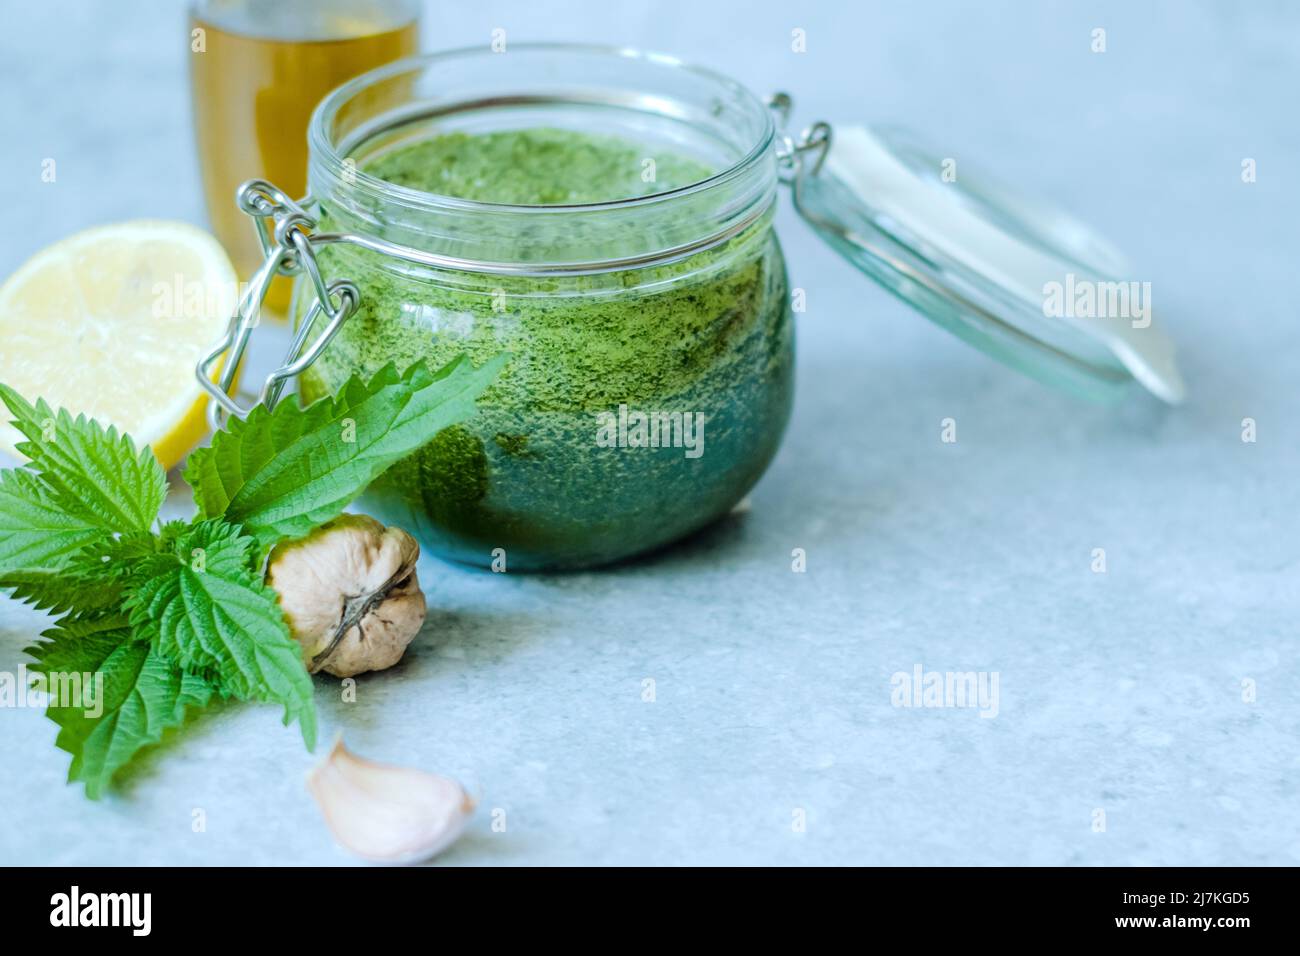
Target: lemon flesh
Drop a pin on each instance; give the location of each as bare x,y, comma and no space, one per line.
111,322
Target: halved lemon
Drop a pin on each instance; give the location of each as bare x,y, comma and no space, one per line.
111,322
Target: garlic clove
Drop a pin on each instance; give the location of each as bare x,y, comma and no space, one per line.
385,813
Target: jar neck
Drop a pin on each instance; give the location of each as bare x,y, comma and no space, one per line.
408,99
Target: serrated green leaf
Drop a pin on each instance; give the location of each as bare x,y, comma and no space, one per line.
86,582
47,556
72,589
205,610
36,532
142,694
169,532
97,476
284,472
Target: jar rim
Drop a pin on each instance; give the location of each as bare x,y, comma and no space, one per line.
324,148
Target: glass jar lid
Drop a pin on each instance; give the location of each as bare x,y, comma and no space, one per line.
1020,280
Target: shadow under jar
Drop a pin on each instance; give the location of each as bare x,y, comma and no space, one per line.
603,217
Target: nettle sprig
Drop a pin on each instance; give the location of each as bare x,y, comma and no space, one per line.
173,615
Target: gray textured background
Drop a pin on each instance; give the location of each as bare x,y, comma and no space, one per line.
1119,692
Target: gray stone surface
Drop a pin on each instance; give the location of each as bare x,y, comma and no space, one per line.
1119,692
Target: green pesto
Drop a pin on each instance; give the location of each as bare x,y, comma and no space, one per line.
535,167
710,335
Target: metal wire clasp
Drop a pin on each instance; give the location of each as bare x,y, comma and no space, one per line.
283,229
804,155
799,160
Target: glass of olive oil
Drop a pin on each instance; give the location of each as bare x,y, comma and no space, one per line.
258,69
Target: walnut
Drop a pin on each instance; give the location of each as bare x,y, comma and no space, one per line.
349,594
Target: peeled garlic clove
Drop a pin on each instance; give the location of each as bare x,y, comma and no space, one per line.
385,813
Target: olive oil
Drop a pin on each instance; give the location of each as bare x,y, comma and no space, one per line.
258,70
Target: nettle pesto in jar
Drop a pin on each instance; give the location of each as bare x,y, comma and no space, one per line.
638,404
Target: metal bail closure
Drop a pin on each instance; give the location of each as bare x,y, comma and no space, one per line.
1020,280
286,242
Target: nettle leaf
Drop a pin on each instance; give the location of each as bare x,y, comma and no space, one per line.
206,610
49,558
96,475
76,589
284,472
87,582
36,532
111,695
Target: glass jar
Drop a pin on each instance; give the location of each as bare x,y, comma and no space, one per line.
650,338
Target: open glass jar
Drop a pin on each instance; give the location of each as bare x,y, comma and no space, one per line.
632,275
